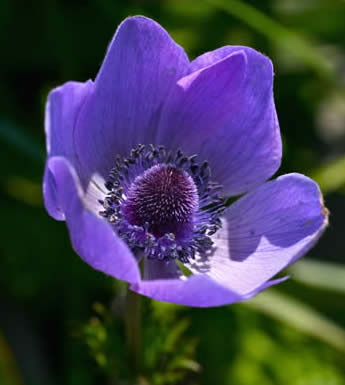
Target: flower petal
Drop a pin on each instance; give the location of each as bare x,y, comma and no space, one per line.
225,113
265,231
92,237
62,108
197,290
212,57
140,68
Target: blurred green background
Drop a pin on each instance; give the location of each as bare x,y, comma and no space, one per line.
62,322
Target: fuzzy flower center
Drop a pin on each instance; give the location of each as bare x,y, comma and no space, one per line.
162,203
164,197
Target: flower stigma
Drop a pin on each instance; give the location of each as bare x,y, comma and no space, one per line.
163,204
165,197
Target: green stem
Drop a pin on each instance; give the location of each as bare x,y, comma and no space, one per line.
133,331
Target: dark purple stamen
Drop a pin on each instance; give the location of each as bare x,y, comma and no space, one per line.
163,204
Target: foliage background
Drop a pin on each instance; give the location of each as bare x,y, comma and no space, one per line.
62,322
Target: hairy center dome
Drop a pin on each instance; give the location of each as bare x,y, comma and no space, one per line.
163,203
164,198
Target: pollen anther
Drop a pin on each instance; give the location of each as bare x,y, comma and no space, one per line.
163,204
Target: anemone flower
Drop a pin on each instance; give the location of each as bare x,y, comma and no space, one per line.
142,161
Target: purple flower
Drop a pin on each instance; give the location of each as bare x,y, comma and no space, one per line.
141,159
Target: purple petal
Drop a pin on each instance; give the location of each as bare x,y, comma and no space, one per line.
62,108
197,290
140,68
225,113
265,231
212,57
92,237
50,197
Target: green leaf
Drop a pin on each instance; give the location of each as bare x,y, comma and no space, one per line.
175,335
331,177
300,316
289,40
329,276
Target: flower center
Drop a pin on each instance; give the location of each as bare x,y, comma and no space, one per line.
162,203
165,198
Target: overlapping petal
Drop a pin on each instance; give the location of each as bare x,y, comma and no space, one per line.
197,290
141,66
62,108
92,237
265,231
224,111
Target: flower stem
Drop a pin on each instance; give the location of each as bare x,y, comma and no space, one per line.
133,331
